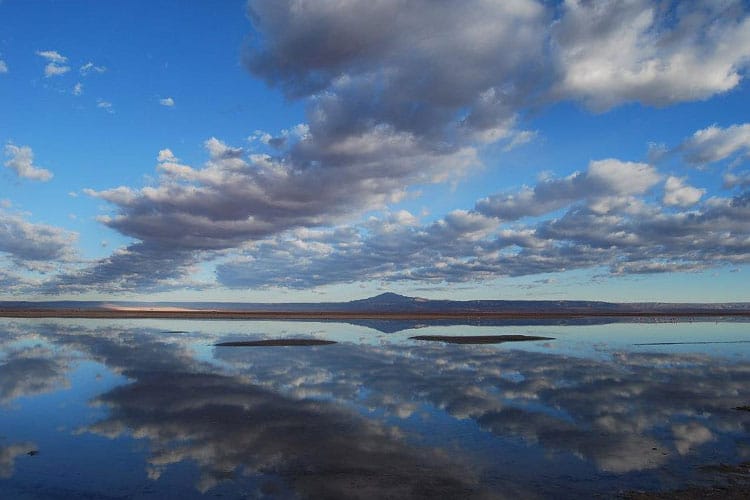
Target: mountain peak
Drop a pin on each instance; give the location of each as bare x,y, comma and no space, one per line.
387,297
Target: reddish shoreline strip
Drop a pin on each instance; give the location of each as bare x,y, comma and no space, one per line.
333,315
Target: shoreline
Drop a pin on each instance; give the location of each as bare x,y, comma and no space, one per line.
363,315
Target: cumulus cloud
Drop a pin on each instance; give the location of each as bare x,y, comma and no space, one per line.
405,93
21,161
383,63
234,198
166,155
32,244
677,193
656,53
140,267
603,223
167,101
714,143
605,182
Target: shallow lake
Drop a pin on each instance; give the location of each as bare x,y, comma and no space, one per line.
154,409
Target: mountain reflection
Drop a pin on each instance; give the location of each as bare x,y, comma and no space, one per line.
396,420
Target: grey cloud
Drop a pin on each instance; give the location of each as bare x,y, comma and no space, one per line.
31,371
232,200
740,179
403,93
412,65
29,243
624,233
386,249
9,454
136,267
362,148
603,179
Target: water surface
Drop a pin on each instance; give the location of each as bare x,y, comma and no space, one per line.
153,408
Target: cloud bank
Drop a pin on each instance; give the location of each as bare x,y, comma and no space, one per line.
401,94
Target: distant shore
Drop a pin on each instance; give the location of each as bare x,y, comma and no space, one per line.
133,313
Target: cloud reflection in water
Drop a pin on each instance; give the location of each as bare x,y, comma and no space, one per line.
396,419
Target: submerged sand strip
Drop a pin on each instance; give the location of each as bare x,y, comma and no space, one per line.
275,343
479,339
700,342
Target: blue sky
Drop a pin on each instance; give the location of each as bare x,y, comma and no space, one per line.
295,150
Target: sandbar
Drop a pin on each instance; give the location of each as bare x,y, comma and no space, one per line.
275,343
479,339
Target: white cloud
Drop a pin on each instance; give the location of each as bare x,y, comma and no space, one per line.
105,105
78,89
3,67
52,56
56,63
53,69
20,159
167,101
714,143
166,155
615,51
677,193
606,184
91,67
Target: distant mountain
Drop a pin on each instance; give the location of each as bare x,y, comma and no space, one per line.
394,303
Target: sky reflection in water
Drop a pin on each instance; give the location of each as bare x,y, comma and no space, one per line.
141,408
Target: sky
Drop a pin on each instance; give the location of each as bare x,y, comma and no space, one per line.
304,150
